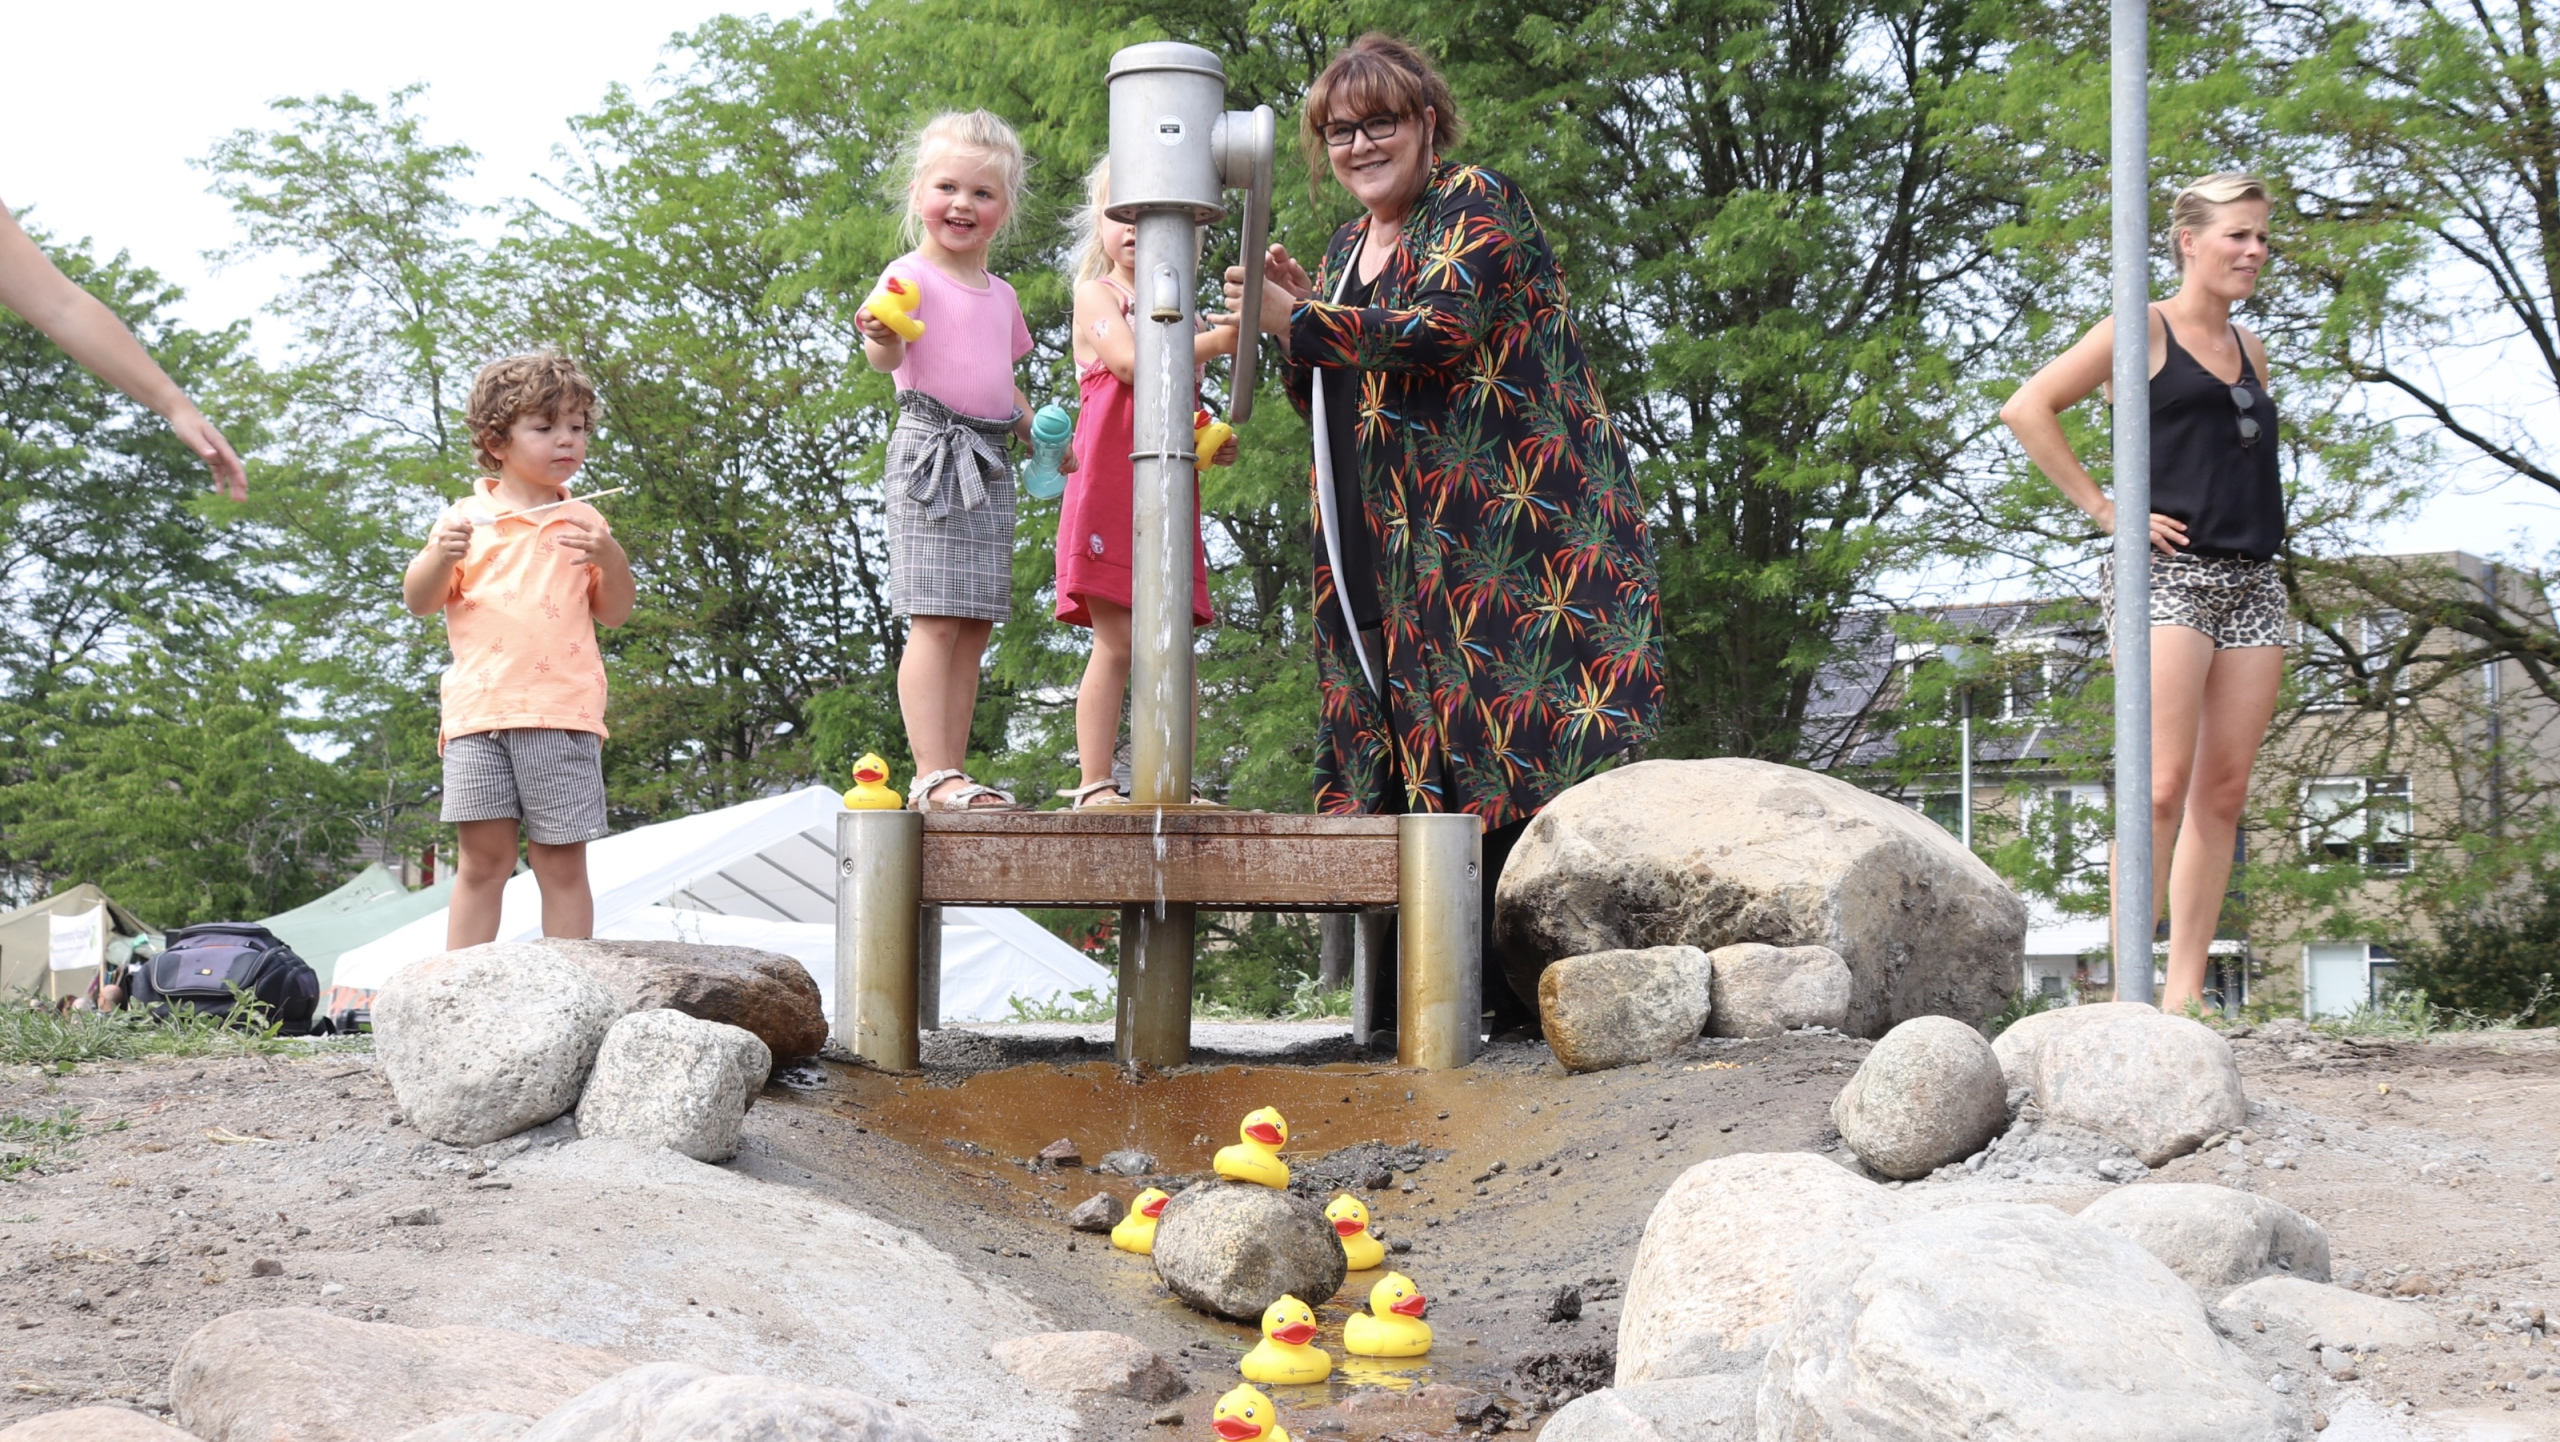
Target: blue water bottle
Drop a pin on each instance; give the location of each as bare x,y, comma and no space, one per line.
1051,429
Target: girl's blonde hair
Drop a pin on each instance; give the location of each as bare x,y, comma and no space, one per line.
2195,205
1085,260
976,132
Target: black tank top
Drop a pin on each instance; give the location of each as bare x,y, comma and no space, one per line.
2228,494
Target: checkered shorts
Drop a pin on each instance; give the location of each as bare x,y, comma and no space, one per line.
950,489
2236,601
552,781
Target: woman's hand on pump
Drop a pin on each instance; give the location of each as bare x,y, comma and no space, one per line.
1284,284
2168,533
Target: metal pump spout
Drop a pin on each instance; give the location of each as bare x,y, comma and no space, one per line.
1175,151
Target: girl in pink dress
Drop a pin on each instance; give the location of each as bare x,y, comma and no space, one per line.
1093,523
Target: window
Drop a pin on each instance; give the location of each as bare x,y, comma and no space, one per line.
2322,674
2074,822
2339,976
2352,819
1943,807
2022,693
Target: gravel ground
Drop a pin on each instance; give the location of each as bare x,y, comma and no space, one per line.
1527,1191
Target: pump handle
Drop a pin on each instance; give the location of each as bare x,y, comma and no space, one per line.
1246,139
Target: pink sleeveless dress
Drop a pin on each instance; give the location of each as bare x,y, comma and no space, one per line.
1093,523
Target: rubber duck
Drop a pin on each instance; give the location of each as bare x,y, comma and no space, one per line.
1209,435
893,303
1351,1220
1245,1415
1256,1155
1136,1232
1393,1325
871,787
1283,1357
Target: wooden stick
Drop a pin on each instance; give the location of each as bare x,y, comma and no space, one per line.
536,510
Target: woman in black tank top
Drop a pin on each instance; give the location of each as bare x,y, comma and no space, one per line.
2218,614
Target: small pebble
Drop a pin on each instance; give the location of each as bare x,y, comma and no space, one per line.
1169,1417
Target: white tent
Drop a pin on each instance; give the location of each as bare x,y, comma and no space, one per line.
758,874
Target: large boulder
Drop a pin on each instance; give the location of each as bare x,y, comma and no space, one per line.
2161,1085
94,1424
769,1409
2214,1237
1714,1408
1717,1266
1928,1094
282,1376
1712,853
665,1079
1762,990
614,1410
765,992
1615,1008
2335,1315
2005,1323
484,1042
1233,1248
1107,1362
471,1427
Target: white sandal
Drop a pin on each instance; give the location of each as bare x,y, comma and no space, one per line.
920,795
1082,797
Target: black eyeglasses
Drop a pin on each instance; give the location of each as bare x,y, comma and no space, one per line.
1340,133
2243,402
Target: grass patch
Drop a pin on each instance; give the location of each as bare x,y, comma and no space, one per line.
41,1036
42,1143
2023,1003
2410,1014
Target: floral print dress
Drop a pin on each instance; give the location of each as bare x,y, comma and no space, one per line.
1517,585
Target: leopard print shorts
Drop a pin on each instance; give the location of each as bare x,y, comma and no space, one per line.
2237,602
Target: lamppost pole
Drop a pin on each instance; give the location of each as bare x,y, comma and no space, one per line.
2135,906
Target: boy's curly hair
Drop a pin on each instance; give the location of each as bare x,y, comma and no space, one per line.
545,383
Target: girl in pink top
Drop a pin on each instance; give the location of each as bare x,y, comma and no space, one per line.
1093,523
949,477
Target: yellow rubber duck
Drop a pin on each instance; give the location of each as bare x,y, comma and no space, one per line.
1256,1156
1245,1415
893,303
1136,1232
871,787
1351,1221
1283,1358
1210,436
1393,1325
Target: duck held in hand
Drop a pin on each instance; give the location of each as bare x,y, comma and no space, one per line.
893,303
1256,1155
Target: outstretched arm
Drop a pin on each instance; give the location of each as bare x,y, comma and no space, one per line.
79,323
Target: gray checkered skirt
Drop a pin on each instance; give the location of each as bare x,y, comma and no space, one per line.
950,488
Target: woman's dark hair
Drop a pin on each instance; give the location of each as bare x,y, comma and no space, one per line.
1376,74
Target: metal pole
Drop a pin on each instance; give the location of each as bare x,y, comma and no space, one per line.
1439,940
929,968
879,857
1964,770
2136,903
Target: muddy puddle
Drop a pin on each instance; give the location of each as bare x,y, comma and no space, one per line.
1482,1176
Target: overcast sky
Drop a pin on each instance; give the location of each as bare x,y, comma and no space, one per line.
102,106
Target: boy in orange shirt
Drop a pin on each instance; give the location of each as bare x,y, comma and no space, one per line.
523,703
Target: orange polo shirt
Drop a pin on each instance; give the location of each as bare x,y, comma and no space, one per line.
520,613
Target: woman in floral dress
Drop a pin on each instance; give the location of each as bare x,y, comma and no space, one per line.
1487,627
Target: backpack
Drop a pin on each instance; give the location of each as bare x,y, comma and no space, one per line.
203,963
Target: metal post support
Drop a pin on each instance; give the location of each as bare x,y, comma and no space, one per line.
1373,977
1163,502
1439,940
879,868
2136,904
1964,772
1155,986
929,968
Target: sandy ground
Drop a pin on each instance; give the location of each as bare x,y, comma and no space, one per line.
2423,1161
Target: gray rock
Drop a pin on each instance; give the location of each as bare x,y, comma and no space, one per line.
1763,990
1097,1213
94,1424
1107,1362
1233,1248
2214,1237
1713,1408
768,1409
2005,1323
1714,852
1717,1266
665,1079
2159,1084
2332,1314
1127,1162
616,1409
471,1427
484,1042
765,992
1615,1008
1929,1093
2023,1040
281,1375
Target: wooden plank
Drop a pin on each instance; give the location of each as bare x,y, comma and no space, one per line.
1225,860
